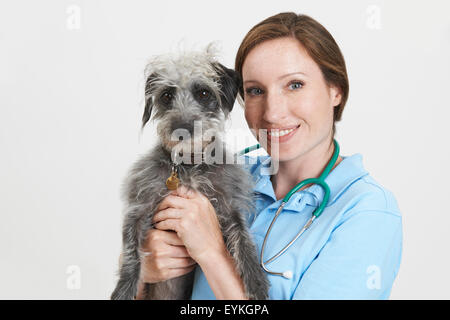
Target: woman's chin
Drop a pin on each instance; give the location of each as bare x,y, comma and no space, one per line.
279,155
284,152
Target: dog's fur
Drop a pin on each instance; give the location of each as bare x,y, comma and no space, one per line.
227,186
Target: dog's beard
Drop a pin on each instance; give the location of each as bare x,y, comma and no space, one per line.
196,151
191,151
204,144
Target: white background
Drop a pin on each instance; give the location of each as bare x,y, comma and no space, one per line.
71,99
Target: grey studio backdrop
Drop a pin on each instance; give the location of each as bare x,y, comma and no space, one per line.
71,99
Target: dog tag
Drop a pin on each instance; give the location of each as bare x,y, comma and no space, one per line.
173,181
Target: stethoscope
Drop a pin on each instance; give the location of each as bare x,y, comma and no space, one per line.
317,212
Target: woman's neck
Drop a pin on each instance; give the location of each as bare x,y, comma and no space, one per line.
308,165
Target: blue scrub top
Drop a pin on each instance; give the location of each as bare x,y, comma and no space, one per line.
352,251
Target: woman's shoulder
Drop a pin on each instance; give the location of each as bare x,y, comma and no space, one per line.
368,194
351,184
384,196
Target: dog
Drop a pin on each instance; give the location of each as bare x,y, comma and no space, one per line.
184,92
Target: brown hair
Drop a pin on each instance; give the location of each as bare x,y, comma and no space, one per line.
317,41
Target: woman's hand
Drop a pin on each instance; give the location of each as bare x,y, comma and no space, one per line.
164,257
193,218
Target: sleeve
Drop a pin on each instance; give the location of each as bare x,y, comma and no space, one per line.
360,260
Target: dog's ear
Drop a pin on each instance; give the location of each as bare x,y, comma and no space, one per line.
148,99
230,81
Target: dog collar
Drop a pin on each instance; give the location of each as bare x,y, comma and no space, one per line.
173,180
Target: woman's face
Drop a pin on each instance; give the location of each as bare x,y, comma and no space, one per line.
284,90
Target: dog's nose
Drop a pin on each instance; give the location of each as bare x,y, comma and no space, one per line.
183,125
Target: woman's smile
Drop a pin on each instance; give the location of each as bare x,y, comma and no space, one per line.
281,135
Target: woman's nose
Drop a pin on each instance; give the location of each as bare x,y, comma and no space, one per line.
275,109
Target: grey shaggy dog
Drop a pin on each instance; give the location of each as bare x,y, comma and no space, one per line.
186,91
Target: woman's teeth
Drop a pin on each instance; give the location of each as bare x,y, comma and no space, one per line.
280,133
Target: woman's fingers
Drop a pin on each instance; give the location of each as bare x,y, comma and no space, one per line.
173,201
179,252
169,251
173,273
162,243
184,192
167,224
164,256
155,236
170,237
176,263
167,213
164,269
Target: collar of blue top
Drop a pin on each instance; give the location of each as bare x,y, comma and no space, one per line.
340,178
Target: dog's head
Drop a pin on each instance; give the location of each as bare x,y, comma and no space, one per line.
191,95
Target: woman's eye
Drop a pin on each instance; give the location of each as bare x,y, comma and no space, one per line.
296,85
254,91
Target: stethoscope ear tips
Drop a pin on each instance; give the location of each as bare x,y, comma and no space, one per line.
287,274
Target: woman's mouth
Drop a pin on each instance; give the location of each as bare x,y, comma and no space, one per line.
281,135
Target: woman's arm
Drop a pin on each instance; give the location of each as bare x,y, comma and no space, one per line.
220,271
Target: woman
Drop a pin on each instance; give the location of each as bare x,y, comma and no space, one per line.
295,86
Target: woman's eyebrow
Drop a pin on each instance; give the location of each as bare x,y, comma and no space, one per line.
281,77
290,74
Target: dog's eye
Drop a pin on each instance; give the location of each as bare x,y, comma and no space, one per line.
203,94
166,97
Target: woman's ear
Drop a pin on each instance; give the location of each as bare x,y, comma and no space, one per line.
335,95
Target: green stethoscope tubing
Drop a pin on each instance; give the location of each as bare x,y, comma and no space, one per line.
317,212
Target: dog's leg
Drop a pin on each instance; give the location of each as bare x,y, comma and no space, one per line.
126,288
243,251
179,288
